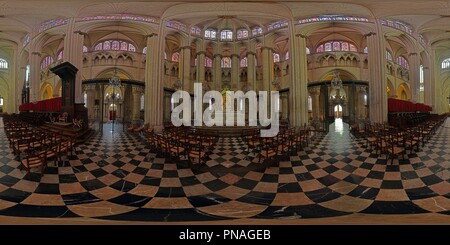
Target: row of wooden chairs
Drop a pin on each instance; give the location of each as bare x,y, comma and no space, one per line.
182,143
395,141
34,146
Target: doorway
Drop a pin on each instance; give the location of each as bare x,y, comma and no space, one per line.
338,111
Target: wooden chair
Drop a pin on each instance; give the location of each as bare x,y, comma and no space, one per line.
35,159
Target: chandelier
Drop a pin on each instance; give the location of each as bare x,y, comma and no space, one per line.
115,81
336,82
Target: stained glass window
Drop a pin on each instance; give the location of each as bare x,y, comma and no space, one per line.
131,47
60,55
98,47
242,34
3,64
114,45
344,46
244,62
388,55
276,57
208,62
85,49
286,56
366,50
402,62
124,46
336,46
226,62
445,64
226,35
144,51
319,49
210,34
46,61
175,57
107,45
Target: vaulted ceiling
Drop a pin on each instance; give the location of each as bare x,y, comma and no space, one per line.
431,18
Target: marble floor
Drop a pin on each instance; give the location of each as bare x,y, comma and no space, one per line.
115,177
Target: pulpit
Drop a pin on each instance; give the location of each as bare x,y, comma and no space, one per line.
67,72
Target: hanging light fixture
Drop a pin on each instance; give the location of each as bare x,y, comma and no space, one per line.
115,81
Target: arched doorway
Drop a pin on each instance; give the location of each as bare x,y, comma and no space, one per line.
337,111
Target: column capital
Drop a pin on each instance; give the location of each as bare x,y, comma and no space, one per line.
301,35
36,53
80,33
314,90
151,35
186,47
201,52
250,53
369,34
361,88
412,54
234,55
265,47
137,89
89,87
219,55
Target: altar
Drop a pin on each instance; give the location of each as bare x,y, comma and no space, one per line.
223,116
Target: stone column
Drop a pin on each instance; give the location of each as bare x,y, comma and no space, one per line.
284,106
315,93
298,87
73,53
201,66
217,71
414,76
267,66
136,105
251,70
90,91
35,76
377,77
235,72
429,79
360,106
154,80
185,68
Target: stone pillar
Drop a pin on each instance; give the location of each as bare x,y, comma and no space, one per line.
284,106
217,71
185,68
360,106
429,79
201,66
251,70
414,76
315,93
73,53
136,105
267,66
235,72
154,80
35,76
377,77
298,87
90,91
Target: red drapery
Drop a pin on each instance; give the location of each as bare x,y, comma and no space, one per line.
395,105
53,104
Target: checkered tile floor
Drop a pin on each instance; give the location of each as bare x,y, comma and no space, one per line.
116,177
